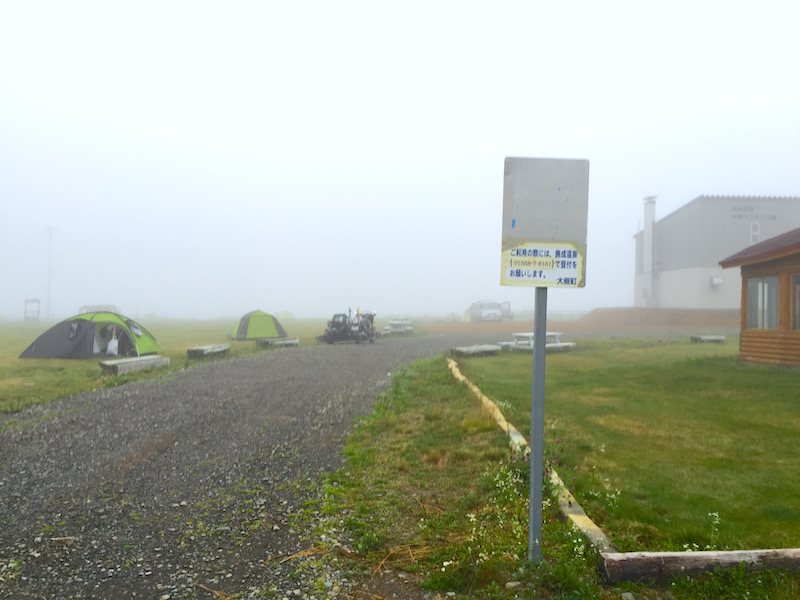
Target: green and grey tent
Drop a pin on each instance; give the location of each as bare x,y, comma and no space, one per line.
87,336
258,325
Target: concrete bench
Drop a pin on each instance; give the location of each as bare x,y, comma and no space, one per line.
476,350
524,341
560,346
279,342
208,350
121,366
548,347
707,339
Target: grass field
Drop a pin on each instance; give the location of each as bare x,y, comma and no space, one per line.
430,489
668,445
24,382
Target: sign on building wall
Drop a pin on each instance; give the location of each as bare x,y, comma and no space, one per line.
545,212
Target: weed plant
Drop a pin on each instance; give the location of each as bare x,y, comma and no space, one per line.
432,489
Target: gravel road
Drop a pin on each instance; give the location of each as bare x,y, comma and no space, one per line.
186,486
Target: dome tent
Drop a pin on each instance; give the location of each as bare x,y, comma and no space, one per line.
87,335
257,325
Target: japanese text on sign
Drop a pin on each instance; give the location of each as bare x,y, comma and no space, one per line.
551,265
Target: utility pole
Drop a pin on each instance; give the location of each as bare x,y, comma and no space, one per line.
49,267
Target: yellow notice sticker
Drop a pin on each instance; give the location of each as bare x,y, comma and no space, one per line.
543,265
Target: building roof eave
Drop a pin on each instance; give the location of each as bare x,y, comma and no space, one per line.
774,248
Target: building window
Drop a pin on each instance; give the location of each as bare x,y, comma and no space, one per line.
754,231
795,301
762,303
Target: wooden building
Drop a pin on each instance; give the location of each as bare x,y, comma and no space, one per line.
770,300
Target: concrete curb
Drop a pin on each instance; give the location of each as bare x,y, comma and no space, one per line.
566,501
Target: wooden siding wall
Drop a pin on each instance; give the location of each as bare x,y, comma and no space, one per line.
763,346
772,346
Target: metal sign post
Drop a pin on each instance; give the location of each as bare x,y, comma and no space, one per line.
537,428
544,245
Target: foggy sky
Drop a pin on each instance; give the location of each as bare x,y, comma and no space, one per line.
198,160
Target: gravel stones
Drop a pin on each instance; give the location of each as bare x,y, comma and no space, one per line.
188,486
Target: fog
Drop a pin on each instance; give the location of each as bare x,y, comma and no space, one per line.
199,160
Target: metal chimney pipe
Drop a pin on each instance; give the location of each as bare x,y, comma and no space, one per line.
647,248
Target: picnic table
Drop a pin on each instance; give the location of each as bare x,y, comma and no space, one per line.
523,340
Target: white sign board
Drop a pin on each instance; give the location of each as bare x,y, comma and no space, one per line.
545,212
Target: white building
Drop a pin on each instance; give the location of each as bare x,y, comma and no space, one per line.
677,257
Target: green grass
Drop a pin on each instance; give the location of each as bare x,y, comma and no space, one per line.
426,481
669,446
430,488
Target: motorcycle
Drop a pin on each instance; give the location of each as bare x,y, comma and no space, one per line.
366,328
357,328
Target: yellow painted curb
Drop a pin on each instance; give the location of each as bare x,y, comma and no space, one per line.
566,501
488,405
573,511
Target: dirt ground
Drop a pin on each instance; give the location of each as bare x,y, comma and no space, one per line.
602,322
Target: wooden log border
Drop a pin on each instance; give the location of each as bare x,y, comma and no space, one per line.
660,566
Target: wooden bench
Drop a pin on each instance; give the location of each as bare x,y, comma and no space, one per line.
279,342
121,366
208,350
707,339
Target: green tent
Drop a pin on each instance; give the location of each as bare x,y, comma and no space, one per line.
87,336
257,325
